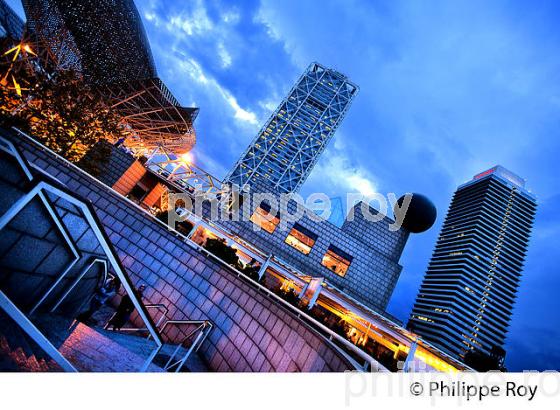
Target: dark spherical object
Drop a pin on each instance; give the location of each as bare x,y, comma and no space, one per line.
420,215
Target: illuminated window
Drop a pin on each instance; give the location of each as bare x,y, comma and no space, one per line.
301,238
424,318
263,218
337,260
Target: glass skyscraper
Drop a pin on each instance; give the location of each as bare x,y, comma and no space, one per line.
466,299
104,39
285,150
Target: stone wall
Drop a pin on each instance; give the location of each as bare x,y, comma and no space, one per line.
252,332
374,271
34,252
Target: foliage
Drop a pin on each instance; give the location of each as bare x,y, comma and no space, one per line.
290,296
59,109
96,159
219,248
251,271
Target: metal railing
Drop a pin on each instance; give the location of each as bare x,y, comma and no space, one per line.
159,307
367,361
38,187
330,336
201,331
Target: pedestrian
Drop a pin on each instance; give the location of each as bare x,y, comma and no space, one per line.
102,294
125,309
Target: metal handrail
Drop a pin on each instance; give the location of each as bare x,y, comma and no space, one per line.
40,186
204,328
369,361
158,306
161,307
204,323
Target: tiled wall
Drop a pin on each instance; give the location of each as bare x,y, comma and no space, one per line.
34,253
252,333
374,271
376,250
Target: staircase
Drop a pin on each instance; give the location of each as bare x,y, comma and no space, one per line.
17,360
89,349
49,219
138,346
95,350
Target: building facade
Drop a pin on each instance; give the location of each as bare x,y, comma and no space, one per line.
466,299
287,147
360,259
10,24
106,43
113,50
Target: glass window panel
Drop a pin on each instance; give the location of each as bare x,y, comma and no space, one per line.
301,238
263,218
336,261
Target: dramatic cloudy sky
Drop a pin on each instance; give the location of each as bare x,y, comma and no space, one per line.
448,89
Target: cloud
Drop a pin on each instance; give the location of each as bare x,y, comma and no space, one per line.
191,68
224,55
240,113
447,90
193,23
341,174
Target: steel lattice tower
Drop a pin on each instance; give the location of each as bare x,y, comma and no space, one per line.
285,150
10,23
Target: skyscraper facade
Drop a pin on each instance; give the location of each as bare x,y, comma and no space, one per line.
10,24
106,36
466,299
288,146
105,41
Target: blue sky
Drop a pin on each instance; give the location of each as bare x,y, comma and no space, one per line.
447,89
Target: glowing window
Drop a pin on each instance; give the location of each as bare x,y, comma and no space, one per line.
337,260
263,218
301,238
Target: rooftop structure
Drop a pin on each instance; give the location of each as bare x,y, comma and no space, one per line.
106,42
337,275
11,25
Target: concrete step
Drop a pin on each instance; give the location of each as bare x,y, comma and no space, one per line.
16,360
88,348
102,316
94,350
136,344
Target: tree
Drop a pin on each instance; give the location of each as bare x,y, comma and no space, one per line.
96,159
58,108
220,249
